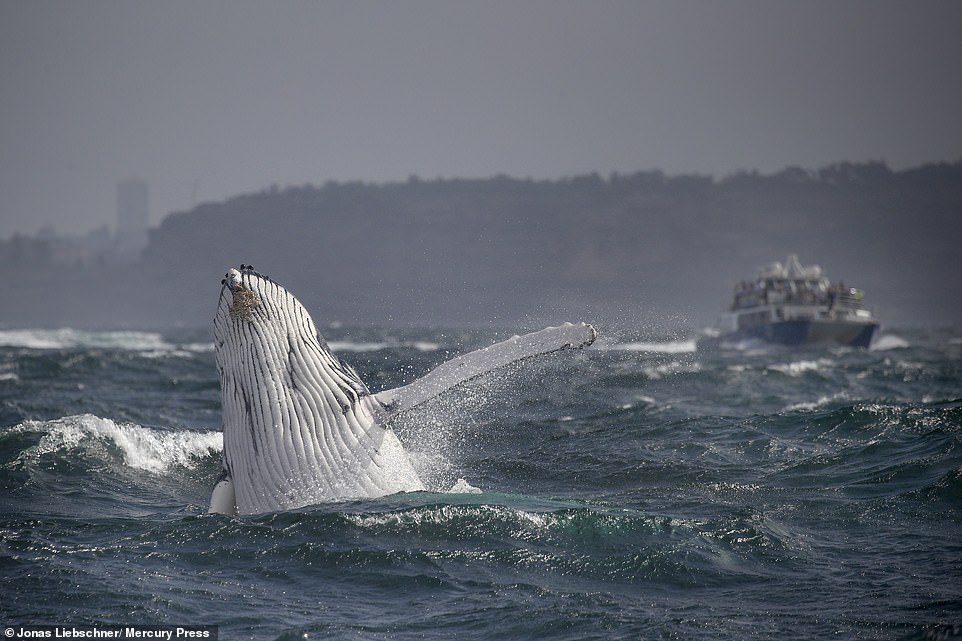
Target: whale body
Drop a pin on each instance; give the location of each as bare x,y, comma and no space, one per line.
300,427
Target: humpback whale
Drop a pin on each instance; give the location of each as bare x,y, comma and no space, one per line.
300,427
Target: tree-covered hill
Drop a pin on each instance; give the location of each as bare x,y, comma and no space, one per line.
622,249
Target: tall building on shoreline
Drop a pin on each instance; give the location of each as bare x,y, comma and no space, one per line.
133,217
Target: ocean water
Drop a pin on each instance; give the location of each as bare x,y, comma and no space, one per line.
638,489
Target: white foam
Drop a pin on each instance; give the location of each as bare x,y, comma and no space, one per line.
198,347
162,353
463,487
348,346
800,367
751,346
142,448
888,341
657,372
814,405
671,347
351,346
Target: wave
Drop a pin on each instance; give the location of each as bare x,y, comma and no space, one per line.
93,441
823,401
619,546
69,338
141,448
153,344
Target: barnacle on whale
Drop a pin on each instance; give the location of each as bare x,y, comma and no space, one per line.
245,301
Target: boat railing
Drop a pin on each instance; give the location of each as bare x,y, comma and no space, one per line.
815,294
850,298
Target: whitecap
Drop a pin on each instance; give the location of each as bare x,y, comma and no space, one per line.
198,347
142,448
663,370
373,346
671,347
887,342
69,338
647,400
822,401
463,487
798,368
348,346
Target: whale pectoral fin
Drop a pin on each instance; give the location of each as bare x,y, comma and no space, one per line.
463,368
222,497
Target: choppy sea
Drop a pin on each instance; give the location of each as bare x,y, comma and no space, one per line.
639,489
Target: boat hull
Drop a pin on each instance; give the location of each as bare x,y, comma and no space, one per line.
815,332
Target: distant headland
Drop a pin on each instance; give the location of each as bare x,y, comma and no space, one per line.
625,248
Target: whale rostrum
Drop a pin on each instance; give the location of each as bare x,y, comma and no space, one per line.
300,427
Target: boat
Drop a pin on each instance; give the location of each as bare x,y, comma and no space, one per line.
788,304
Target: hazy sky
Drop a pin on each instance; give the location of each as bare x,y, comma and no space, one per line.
205,100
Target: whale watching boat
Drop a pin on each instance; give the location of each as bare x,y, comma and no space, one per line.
789,304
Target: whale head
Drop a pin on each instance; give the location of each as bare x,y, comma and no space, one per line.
252,301
260,325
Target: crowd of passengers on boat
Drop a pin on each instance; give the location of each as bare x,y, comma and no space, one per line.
791,292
